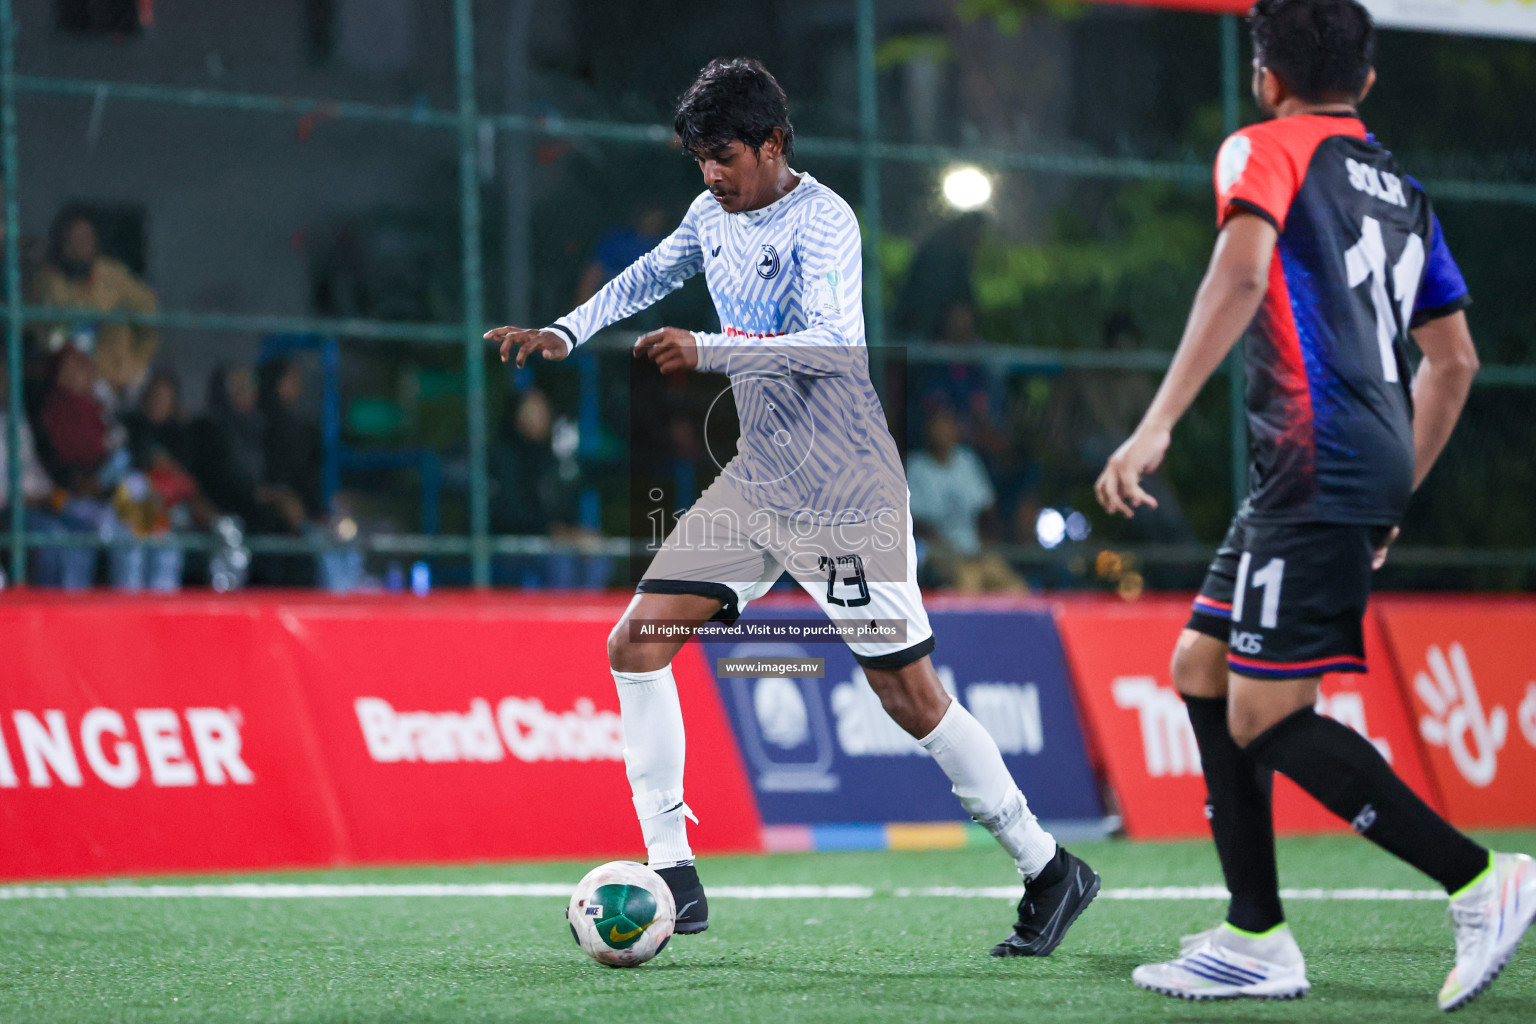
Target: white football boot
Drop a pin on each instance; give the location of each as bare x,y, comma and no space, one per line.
1490,915
1226,963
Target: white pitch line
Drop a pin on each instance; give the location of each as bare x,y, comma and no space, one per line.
278,891
793,892
1185,892
321,891
1361,894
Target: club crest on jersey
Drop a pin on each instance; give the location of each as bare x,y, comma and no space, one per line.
767,262
1232,161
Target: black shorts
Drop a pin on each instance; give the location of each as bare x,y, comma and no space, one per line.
1289,600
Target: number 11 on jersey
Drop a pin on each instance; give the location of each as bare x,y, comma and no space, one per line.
1367,258
1267,579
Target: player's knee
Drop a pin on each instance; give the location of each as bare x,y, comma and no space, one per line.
1244,724
916,707
1182,669
624,655
618,653
1199,666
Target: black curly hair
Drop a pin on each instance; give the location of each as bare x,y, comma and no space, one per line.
1321,49
733,99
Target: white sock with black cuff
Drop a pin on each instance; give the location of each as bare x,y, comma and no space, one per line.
654,748
969,756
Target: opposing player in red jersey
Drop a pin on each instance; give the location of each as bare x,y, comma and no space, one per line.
1329,257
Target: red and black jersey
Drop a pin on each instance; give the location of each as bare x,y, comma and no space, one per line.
1360,261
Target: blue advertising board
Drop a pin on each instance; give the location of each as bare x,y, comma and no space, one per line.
823,751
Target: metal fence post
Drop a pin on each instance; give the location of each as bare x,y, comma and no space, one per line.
517,172
869,166
474,293
1234,367
13,314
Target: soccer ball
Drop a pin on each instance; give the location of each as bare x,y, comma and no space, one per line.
622,914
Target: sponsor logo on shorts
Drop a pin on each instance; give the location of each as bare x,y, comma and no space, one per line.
1247,643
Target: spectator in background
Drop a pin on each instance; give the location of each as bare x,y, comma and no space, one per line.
83,442
82,446
620,246
165,495
537,493
231,468
973,394
937,302
951,499
77,275
293,455
154,495
36,485
160,445
105,491
290,441
51,566
227,457
156,430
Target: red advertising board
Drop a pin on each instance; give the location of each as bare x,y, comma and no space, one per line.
197,733
153,735
487,729
205,733
1468,674
1140,731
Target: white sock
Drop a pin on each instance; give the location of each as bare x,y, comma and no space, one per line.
969,756
654,746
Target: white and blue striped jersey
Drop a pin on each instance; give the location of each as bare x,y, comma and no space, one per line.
787,283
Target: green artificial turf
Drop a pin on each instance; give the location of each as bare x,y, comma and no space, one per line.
884,959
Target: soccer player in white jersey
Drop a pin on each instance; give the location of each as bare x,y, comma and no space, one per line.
816,487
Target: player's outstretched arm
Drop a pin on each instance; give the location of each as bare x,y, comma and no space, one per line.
525,342
1229,296
1440,387
643,283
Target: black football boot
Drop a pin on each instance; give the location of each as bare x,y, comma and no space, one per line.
688,894
1052,901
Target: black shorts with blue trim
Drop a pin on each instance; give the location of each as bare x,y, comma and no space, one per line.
1288,599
